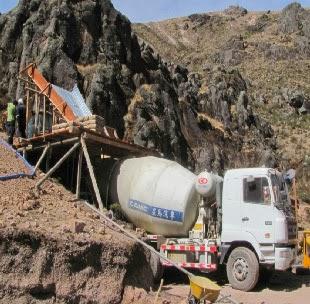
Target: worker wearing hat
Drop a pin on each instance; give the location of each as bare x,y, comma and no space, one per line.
21,118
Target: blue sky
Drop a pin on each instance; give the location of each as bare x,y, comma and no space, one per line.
152,10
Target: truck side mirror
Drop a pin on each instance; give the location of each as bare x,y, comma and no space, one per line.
250,179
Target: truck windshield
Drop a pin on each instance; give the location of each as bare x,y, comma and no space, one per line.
256,190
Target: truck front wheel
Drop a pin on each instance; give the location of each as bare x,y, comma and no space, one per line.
242,269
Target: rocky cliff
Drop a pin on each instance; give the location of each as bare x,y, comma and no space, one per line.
270,49
148,100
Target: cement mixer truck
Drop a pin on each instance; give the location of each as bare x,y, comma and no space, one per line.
244,220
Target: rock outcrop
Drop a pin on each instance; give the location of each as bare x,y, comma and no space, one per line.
149,101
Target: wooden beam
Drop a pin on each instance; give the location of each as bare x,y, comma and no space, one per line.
51,144
41,157
57,165
33,90
27,108
120,144
26,81
92,174
26,68
44,114
47,87
79,174
36,117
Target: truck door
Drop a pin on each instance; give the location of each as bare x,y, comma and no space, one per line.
231,203
257,210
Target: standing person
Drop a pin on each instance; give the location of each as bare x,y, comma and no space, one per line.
21,118
10,121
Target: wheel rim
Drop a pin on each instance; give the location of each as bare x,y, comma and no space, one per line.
240,269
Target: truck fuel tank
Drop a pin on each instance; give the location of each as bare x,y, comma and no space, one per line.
157,195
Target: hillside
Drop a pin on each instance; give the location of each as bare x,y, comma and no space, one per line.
148,100
272,52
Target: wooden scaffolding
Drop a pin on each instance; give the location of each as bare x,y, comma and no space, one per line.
56,125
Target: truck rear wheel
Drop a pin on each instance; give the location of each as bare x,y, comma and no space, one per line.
242,269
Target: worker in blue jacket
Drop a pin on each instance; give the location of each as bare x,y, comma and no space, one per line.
21,118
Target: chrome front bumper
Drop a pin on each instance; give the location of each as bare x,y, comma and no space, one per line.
284,258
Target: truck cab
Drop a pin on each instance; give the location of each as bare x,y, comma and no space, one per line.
258,225
245,222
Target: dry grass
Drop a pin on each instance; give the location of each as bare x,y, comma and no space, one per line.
216,124
87,69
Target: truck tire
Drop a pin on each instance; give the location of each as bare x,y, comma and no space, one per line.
156,267
242,269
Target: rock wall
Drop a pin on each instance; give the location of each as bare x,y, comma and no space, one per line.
149,101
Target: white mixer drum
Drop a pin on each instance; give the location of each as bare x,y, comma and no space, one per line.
157,195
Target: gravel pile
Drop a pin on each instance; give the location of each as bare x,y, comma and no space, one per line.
10,163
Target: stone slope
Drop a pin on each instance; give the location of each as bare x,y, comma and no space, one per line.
148,100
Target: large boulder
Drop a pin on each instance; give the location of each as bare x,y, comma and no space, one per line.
295,18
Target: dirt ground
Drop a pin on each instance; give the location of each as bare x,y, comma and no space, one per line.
280,288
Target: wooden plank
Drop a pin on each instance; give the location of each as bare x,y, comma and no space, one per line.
120,144
92,174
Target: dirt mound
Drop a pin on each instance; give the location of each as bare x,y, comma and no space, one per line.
10,163
55,250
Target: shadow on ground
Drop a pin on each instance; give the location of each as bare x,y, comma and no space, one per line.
277,281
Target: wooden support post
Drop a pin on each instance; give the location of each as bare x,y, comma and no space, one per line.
79,174
57,165
41,157
25,153
44,114
48,158
54,116
36,114
28,111
92,174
